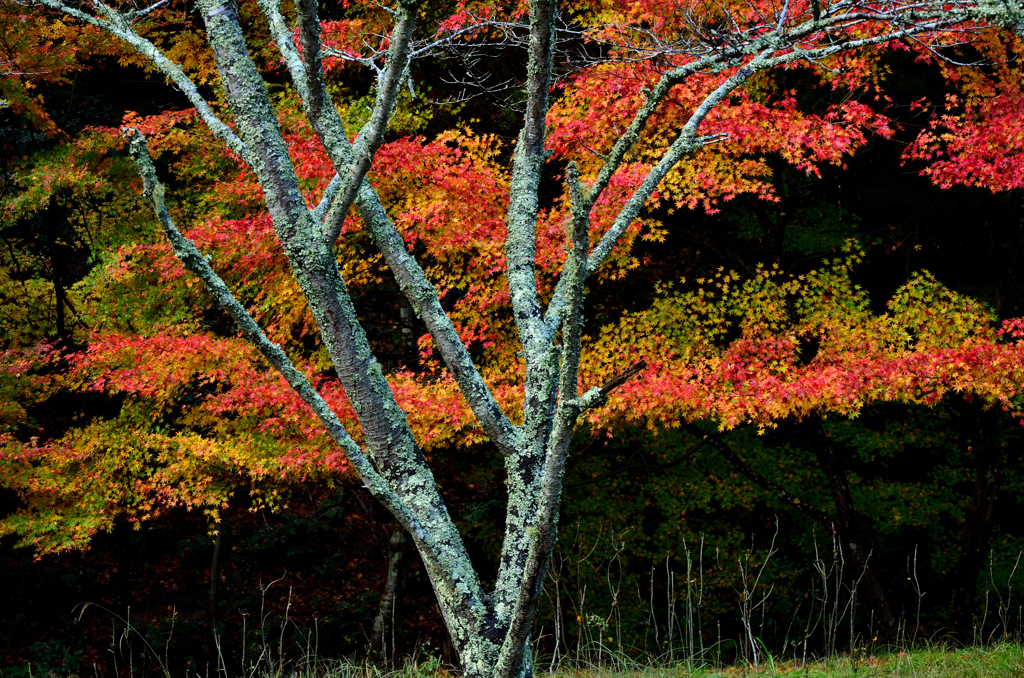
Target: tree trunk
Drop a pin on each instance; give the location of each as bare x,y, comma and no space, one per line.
57,266
212,642
60,302
408,348
122,582
990,458
846,531
215,563
385,618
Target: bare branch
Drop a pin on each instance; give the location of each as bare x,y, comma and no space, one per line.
137,14
527,166
621,378
196,262
780,50
309,36
372,135
327,199
418,290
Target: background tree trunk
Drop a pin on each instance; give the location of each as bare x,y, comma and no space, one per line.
384,621
843,525
849,536
978,518
215,563
209,647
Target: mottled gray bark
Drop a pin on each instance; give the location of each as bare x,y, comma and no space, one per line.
489,629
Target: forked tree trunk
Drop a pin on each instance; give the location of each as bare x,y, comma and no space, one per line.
490,629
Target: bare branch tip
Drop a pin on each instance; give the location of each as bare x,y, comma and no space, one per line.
621,378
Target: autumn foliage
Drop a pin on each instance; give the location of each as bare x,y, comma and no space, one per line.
203,418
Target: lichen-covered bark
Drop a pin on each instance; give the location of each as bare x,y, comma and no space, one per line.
543,531
524,467
527,168
351,169
423,299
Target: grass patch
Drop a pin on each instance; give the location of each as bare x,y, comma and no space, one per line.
1004,660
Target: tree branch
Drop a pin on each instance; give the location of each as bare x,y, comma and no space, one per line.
685,143
194,260
389,439
620,379
309,37
525,467
437,553
372,135
423,298
527,168
688,142
545,525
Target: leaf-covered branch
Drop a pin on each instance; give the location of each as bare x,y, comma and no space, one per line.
767,47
